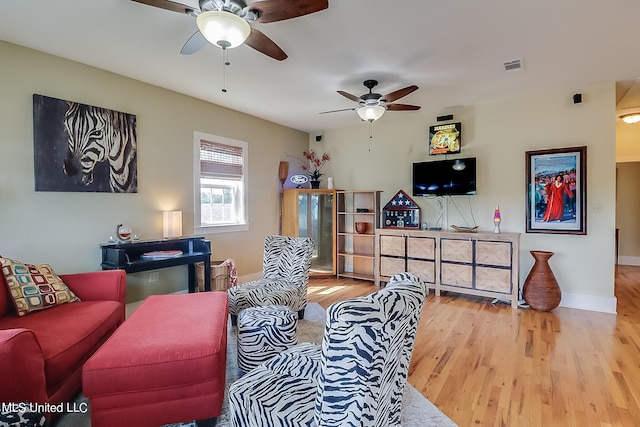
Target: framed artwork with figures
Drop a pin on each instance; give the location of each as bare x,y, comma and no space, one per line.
556,190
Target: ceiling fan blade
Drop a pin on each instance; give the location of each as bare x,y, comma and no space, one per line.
279,10
194,44
390,97
264,44
166,4
335,111
351,97
402,107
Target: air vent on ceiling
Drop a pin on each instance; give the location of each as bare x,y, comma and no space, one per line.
514,65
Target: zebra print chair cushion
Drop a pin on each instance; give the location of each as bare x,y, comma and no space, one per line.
285,275
356,378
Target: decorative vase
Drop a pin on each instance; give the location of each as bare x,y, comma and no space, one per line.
315,184
361,227
541,290
123,232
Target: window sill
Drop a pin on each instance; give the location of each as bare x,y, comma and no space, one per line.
214,229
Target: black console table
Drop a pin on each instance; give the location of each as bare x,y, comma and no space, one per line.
128,256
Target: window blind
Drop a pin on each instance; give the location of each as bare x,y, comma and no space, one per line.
220,160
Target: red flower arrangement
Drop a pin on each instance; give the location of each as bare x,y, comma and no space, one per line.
315,164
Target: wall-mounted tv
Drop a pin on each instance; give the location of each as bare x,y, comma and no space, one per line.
445,177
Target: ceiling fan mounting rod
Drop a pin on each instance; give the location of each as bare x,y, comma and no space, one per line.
370,84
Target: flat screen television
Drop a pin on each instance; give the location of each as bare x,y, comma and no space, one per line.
445,177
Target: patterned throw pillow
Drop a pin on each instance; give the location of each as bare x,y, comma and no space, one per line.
34,287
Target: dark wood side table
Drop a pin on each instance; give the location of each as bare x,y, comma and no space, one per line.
129,256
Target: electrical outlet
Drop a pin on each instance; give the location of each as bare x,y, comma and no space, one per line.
154,277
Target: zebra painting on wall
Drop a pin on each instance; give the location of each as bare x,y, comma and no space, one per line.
80,147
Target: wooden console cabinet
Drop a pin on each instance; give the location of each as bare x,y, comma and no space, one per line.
483,264
129,256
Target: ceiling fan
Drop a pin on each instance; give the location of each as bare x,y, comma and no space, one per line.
225,23
373,105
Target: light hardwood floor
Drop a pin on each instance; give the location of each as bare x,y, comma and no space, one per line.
491,365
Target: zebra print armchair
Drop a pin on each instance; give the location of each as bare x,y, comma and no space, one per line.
356,378
285,275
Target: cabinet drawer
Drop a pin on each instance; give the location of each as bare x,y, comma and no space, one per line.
456,275
493,253
456,250
421,247
392,245
493,279
425,270
390,266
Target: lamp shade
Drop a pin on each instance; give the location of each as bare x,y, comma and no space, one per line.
371,113
171,224
223,29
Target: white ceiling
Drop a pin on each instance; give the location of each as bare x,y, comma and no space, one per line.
453,50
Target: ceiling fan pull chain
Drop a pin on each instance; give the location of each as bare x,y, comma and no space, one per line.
225,64
370,134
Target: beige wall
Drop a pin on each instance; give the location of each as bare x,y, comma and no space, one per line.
627,142
498,134
628,197
627,210
65,229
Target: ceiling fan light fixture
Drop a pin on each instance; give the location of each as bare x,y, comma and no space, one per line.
629,115
631,118
223,29
371,113
458,165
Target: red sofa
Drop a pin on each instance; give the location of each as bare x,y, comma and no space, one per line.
42,353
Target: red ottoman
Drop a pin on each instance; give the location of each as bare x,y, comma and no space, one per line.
165,364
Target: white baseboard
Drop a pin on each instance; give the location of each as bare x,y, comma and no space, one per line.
589,302
629,260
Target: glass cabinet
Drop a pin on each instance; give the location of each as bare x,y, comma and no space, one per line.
311,213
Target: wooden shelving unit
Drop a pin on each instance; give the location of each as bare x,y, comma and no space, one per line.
356,251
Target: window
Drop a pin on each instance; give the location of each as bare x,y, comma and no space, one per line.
221,176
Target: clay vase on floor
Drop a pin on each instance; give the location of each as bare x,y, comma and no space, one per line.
541,290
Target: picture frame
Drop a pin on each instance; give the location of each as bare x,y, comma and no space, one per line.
70,145
445,138
556,190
